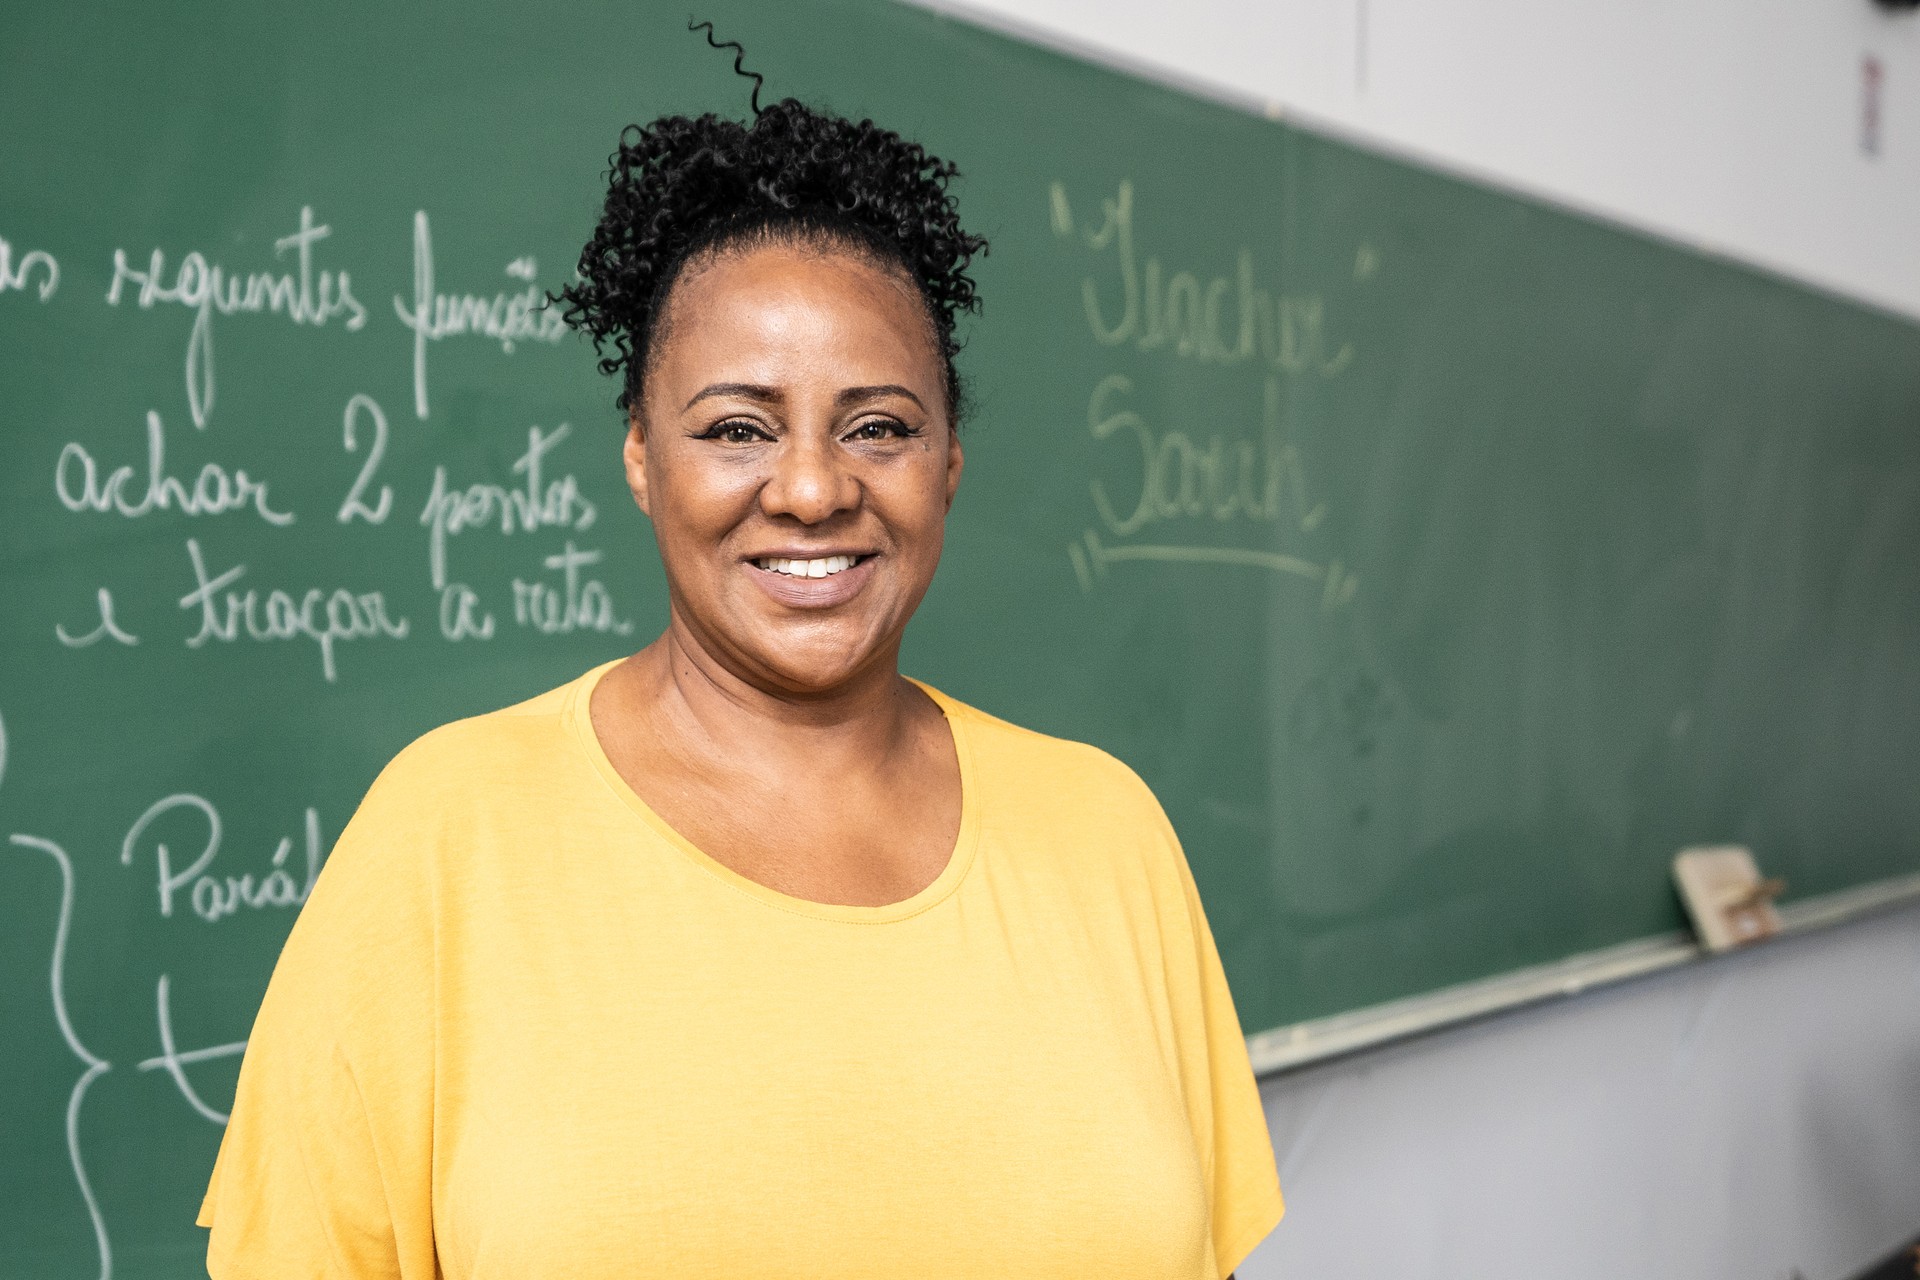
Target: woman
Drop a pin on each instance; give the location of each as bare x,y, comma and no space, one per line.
745,956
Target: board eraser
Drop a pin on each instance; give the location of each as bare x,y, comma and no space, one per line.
1729,903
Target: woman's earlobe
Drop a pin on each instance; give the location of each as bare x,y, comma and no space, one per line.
956,463
634,454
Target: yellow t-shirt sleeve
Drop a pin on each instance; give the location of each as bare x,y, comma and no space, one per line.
326,1166
1229,1123
1246,1186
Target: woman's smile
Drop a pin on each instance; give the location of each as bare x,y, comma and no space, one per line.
812,582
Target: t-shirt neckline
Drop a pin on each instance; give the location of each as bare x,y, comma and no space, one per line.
577,712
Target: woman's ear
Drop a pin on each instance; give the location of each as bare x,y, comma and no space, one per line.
956,460
634,453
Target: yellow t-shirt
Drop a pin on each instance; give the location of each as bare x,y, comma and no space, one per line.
524,1029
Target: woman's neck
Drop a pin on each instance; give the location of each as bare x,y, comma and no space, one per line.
724,716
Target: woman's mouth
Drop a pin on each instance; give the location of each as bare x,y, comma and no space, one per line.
822,567
814,582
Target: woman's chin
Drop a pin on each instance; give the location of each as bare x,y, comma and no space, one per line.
805,653
818,661
816,675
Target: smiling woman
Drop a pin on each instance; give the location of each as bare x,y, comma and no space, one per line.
746,955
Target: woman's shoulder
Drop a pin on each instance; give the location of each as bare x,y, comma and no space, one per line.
481,752
1056,770
456,789
1053,802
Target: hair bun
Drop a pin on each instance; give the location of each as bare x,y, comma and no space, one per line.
682,186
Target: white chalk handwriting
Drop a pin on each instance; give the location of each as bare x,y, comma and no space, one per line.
108,628
506,318
1223,321
304,297
95,1066
576,605
211,897
540,503
324,617
461,615
175,1063
355,503
1219,479
1222,479
1092,557
78,484
14,275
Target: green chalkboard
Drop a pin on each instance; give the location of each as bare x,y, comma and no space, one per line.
1443,561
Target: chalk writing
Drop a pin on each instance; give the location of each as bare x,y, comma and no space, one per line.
1219,477
175,1063
1222,321
95,1066
78,484
1220,481
14,275
304,297
540,504
324,617
355,504
1091,557
1223,479
461,614
108,628
214,898
575,606
505,318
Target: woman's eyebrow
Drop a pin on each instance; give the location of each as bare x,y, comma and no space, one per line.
772,395
853,395
743,390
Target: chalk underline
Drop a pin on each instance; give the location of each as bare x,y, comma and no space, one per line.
1277,561
1091,558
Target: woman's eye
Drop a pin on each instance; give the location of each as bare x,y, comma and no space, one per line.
736,432
877,429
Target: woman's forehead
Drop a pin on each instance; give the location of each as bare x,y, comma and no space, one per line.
795,305
804,267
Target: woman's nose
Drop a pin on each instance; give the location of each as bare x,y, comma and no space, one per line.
811,480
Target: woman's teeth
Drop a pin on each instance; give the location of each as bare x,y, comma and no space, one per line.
823,568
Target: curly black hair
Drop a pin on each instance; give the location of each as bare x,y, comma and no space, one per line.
682,187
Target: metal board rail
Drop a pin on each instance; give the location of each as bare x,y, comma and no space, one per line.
1290,1047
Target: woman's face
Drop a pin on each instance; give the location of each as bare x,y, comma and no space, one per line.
795,451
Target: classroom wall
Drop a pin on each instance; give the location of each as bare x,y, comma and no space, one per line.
1727,124
1757,1116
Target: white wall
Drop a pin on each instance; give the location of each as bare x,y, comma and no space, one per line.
1733,125
1748,1118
